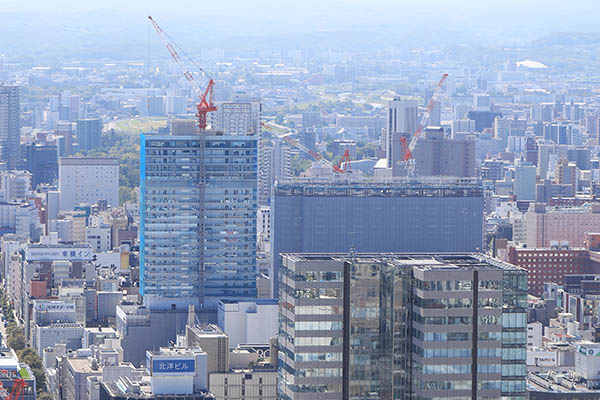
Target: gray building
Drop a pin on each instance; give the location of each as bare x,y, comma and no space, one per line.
435,155
401,326
401,121
10,132
89,133
426,215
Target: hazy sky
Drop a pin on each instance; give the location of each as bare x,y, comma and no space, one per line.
38,26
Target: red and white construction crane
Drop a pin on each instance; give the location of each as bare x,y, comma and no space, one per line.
344,166
17,392
408,148
206,104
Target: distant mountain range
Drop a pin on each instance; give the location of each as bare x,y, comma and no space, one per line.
568,39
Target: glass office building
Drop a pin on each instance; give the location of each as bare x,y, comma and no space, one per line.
198,197
401,326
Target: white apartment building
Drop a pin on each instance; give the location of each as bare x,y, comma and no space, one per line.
68,333
401,120
263,228
248,322
87,180
14,185
240,117
99,235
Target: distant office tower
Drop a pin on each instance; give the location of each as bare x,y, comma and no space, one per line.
566,173
89,133
15,186
275,164
42,162
492,169
483,119
568,225
265,173
548,157
580,156
430,215
401,121
502,129
156,106
88,180
175,104
401,326
525,180
435,155
65,129
435,117
198,219
462,127
481,102
308,138
311,119
10,133
339,146
238,118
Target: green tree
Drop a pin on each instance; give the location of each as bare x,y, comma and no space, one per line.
16,337
125,147
29,356
300,165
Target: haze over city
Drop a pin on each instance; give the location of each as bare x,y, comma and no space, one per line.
272,200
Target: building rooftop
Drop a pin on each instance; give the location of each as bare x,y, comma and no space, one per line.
257,301
355,186
124,388
556,383
88,161
420,260
82,366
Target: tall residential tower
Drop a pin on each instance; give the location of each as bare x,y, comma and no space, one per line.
10,133
199,198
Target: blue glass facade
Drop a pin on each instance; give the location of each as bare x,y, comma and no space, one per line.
171,219
231,201
198,219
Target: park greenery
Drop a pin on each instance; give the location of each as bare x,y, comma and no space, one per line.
125,147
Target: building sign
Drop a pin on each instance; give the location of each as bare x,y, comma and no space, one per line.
58,253
173,366
589,351
54,307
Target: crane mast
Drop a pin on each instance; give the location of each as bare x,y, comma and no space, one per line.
206,104
343,166
408,148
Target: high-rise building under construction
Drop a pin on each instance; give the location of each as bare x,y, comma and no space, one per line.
400,215
198,219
